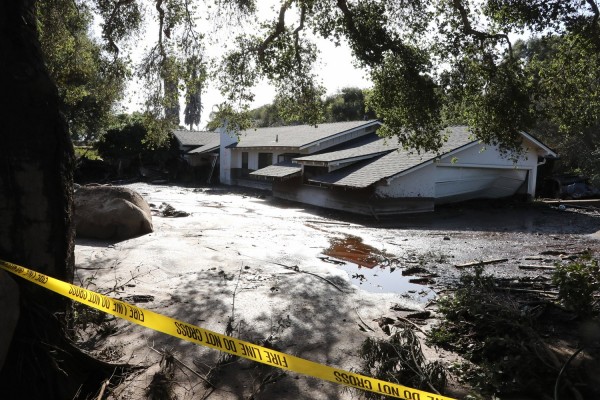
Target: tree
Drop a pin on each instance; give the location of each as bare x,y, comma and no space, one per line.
418,53
195,77
36,186
348,104
564,72
88,80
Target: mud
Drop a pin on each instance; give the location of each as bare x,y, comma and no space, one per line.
264,262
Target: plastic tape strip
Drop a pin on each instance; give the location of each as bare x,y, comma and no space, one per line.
204,337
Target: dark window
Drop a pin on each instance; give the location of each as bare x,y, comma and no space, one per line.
288,157
264,160
244,160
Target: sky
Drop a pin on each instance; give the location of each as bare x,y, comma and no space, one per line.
335,70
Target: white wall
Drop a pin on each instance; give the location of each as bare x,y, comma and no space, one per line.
225,156
236,158
476,166
419,183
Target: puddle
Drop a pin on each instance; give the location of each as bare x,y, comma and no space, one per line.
368,269
353,250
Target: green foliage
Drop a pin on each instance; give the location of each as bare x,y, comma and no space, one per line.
88,152
400,359
578,283
124,140
267,115
499,103
89,82
566,73
496,334
226,115
130,138
196,75
348,104
407,102
432,64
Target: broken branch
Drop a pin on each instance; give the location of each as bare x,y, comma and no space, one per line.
476,263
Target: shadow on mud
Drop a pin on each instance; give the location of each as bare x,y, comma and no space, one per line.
480,215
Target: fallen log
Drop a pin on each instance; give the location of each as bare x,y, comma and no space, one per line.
486,262
546,267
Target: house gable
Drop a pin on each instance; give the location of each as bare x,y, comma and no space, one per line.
302,139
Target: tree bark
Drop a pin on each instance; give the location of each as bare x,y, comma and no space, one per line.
36,190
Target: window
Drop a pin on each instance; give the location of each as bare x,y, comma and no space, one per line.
287,157
244,160
264,160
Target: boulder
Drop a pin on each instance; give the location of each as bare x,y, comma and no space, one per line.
110,212
9,304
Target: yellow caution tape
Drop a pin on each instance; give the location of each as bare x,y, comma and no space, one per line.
214,340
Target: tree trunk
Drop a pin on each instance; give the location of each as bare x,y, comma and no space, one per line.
36,189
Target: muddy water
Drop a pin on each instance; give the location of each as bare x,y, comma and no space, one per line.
373,270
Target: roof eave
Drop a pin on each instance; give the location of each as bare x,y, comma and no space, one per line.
316,142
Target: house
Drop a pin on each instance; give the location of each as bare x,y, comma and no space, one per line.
346,166
200,149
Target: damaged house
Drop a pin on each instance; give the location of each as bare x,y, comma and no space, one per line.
347,166
200,150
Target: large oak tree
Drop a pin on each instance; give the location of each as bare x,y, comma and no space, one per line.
428,60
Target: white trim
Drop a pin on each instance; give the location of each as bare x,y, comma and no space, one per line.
539,144
336,135
536,142
339,161
457,165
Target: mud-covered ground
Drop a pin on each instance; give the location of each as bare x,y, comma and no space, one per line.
275,267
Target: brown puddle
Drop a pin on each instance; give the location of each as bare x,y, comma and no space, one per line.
371,269
352,249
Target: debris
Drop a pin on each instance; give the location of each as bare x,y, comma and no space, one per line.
425,280
167,210
330,260
548,267
315,221
476,263
414,271
363,322
420,315
552,253
295,268
398,307
139,298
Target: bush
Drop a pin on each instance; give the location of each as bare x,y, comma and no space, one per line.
578,283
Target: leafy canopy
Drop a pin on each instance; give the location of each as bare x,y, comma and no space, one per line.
431,62
89,81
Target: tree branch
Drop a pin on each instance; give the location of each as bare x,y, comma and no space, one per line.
297,34
279,29
108,35
161,21
482,36
370,47
596,12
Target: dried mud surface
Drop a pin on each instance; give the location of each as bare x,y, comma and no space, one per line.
262,261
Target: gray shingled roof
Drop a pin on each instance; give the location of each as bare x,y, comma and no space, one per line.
293,136
211,145
196,138
372,147
366,173
280,170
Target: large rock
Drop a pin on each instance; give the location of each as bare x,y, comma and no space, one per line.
109,212
9,304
